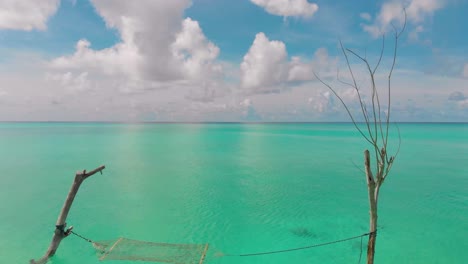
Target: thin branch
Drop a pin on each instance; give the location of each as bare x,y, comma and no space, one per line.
364,111
374,91
374,98
366,114
357,167
378,100
397,36
399,141
404,23
345,106
343,82
381,54
392,159
91,173
370,177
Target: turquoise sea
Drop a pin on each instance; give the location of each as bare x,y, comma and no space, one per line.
242,188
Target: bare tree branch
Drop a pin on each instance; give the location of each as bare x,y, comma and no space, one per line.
381,54
397,36
383,161
345,106
60,227
364,111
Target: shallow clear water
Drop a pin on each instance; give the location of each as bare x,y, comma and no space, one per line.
240,187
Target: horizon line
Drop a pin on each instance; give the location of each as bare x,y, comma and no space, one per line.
231,122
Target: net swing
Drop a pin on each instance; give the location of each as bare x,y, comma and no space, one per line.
137,250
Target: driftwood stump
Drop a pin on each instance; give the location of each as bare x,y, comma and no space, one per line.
60,231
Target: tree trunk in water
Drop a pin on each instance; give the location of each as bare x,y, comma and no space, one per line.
372,225
373,191
60,232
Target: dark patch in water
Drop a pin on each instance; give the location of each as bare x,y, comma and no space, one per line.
303,232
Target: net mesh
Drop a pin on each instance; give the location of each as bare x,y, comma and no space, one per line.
128,249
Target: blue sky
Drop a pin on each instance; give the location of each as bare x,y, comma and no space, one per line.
224,60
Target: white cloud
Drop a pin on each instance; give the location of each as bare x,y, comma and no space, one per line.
195,52
123,58
321,102
157,47
392,12
266,67
26,95
418,10
288,8
304,70
164,67
72,82
147,30
26,14
246,102
208,91
265,64
299,70
248,111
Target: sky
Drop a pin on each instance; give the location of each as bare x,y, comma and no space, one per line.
230,61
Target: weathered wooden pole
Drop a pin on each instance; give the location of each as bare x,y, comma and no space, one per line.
373,191
60,232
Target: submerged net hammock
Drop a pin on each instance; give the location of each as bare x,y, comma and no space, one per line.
129,249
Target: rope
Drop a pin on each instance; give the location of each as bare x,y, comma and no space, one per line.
276,251
360,252
82,237
300,248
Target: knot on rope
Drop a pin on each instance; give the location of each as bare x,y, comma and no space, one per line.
64,232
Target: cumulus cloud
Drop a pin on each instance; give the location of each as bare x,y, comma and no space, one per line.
300,70
248,111
195,52
160,48
157,47
72,82
26,14
266,67
163,67
392,12
321,102
288,8
121,59
208,91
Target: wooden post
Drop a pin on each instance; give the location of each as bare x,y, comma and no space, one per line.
60,232
373,187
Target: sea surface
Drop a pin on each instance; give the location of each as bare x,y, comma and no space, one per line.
242,188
